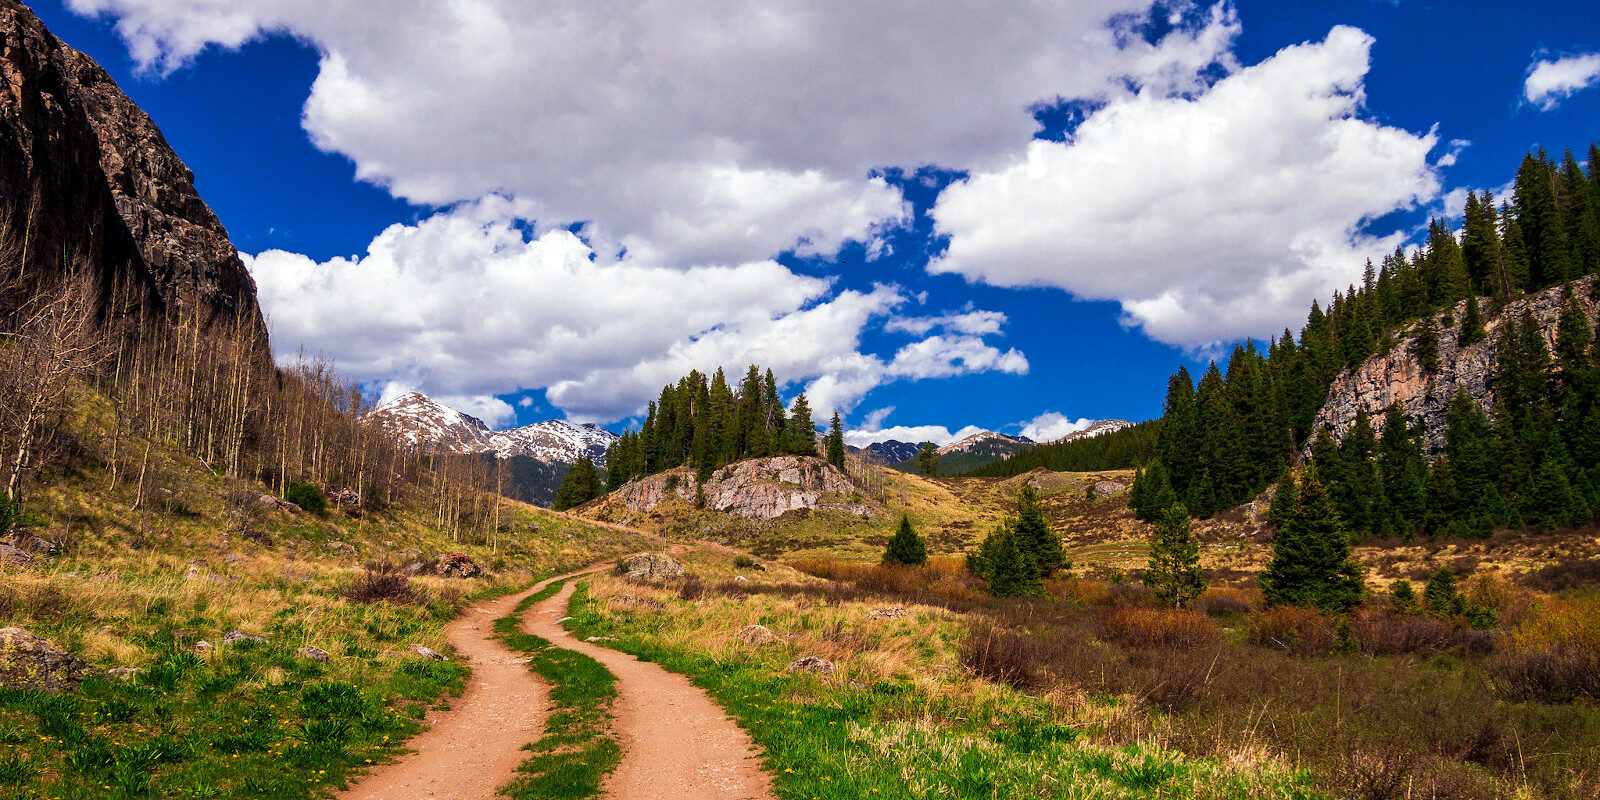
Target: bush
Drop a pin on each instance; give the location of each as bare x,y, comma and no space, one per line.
1221,601
746,562
692,589
1003,656
1302,631
306,496
1135,626
380,582
1546,674
1380,633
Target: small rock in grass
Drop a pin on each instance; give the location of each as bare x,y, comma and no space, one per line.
757,635
14,556
427,653
312,653
887,613
124,674
233,637
821,666
202,647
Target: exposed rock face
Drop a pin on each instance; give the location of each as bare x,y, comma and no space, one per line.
29,662
85,171
654,567
1399,377
758,489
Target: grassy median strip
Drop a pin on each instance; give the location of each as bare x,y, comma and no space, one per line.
578,748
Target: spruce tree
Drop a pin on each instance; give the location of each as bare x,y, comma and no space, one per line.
1471,323
1441,596
927,459
581,485
1403,596
1284,499
1425,348
1034,534
1173,571
905,547
1008,567
801,430
836,449
1311,563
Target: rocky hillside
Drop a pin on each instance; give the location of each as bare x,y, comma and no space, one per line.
84,172
1399,376
758,489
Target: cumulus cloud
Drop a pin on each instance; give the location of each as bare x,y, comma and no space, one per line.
1051,425
685,132
974,323
1550,81
1209,217
465,305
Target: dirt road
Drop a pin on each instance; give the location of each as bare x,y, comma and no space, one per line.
676,743
474,748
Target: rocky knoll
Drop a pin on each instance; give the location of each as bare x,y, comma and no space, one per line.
83,171
758,489
1399,376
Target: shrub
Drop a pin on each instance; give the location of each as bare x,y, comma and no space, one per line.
1222,601
1381,633
1566,575
746,562
306,496
1546,674
381,581
1302,631
1134,626
1003,656
1180,680
692,589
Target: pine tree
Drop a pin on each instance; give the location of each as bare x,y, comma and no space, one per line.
1311,563
1006,565
801,430
1441,596
1471,323
927,459
1402,469
1284,500
836,449
1035,535
581,485
1173,571
905,547
1426,346
1573,340
1403,596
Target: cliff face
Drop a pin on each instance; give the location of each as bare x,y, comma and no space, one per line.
1399,377
85,175
758,489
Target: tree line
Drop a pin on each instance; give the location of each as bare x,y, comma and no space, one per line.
1127,448
706,423
1223,441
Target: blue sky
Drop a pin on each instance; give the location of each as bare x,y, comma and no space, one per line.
929,219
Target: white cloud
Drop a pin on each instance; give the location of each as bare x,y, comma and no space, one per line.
914,434
464,306
974,323
493,411
1551,81
686,132
1209,218
1051,425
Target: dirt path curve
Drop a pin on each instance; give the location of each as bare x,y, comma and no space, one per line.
676,743
474,748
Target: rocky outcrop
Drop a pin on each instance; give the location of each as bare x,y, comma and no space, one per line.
84,171
654,567
31,663
1399,377
758,489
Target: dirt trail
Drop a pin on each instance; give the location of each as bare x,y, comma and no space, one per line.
473,749
676,743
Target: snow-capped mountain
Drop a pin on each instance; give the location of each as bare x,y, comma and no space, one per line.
985,441
420,421
1097,428
894,451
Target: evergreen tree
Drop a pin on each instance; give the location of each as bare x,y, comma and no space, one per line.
1285,499
1573,340
1425,348
1403,596
581,485
1471,323
1173,572
1441,596
801,430
1403,471
1358,486
927,459
905,547
1034,534
836,449
1311,563
1006,565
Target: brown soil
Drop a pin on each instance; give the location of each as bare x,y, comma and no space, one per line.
676,743
474,748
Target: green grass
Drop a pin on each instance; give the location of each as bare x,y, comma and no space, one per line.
825,738
214,729
578,748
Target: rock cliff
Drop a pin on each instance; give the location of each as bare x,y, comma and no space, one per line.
758,489
84,171
1399,377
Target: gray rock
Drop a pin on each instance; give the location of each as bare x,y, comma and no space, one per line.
887,613
234,637
757,635
15,556
758,489
654,567
457,565
202,647
428,653
814,664
32,663
1108,488
312,653
124,674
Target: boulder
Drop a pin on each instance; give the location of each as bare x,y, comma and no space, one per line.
654,567
758,489
234,637
428,653
37,544
887,613
1108,488
757,635
458,565
814,664
312,653
14,556
124,674
31,663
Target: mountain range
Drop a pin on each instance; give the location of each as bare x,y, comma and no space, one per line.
984,447
422,422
